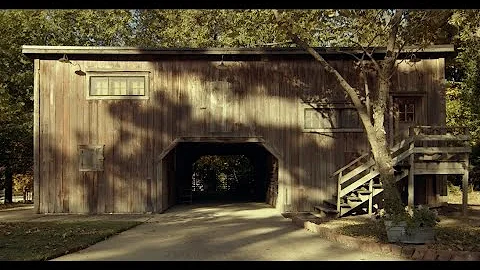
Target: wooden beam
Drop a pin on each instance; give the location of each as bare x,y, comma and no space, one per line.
401,144
439,168
357,171
36,136
439,171
370,197
332,130
168,149
411,177
408,93
350,164
358,183
222,139
465,190
446,137
35,49
339,191
435,150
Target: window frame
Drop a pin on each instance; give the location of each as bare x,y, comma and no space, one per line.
304,106
403,110
117,73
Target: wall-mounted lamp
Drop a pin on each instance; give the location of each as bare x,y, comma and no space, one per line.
64,59
222,65
414,59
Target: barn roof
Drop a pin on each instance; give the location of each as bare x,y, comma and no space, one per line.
120,53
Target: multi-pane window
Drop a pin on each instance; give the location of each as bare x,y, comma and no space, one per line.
405,109
331,119
117,85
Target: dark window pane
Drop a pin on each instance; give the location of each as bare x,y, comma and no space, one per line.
350,119
323,118
405,109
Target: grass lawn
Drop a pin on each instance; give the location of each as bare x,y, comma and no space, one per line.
37,241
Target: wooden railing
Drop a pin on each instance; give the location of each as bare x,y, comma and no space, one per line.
424,144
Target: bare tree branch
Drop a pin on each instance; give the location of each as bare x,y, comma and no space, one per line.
375,63
351,91
351,54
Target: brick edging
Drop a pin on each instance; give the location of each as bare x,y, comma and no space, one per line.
409,251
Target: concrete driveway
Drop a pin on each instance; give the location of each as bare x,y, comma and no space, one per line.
247,231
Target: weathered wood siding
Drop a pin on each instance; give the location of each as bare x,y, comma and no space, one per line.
194,98
427,75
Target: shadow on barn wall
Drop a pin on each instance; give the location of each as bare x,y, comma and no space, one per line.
259,99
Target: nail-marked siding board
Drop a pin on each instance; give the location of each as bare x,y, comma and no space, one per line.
189,96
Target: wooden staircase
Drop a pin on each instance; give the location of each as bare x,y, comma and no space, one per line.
359,184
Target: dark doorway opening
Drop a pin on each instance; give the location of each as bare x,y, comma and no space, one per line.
222,172
225,177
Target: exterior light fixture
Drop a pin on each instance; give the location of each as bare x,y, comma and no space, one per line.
414,59
64,59
222,65
79,71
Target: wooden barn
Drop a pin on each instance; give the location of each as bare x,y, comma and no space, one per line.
117,129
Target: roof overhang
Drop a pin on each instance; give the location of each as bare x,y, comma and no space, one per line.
133,53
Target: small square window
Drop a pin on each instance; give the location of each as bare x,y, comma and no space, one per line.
405,109
90,158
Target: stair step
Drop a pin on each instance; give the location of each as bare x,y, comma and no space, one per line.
364,192
325,209
377,186
377,191
345,205
354,199
330,202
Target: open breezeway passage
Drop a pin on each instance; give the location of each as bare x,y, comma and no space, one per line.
240,231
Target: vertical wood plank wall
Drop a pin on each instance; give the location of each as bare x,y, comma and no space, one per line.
261,98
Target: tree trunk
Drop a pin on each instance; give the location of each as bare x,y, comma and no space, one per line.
8,185
375,131
380,150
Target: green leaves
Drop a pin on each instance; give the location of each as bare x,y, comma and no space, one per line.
43,27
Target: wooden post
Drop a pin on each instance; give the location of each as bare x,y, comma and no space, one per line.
411,176
339,188
160,207
465,180
391,119
36,136
370,196
465,189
